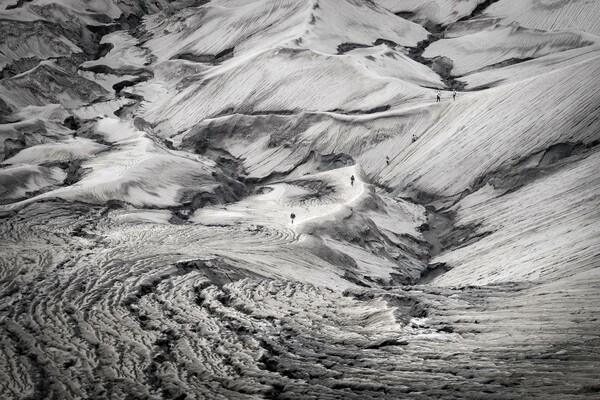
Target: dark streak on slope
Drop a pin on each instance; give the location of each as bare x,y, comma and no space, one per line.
361,112
231,112
440,230
440,65
511,177
206,58
18,4
504,63
5,112
72,168
346,47
324,162
481,7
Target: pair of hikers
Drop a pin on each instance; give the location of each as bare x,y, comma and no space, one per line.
293,216
439,95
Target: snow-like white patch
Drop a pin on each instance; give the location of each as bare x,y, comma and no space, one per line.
531,232
392,63
531,69
501,43
19,180
53,112
136,171
70,150
221,25
334,22
462,140
280,200
125,55
143,216
433,11
250,27
100,109
270,82
550,15
107,81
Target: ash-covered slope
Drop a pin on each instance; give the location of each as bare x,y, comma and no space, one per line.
152,155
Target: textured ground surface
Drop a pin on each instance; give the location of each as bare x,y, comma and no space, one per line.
152,153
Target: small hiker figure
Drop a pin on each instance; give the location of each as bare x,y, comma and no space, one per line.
292,216
387,160
352,180
439,96
453,94
414,138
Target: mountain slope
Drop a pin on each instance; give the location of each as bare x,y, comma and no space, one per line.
237,199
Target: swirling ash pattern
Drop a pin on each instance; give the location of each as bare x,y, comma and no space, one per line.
90,320
86,316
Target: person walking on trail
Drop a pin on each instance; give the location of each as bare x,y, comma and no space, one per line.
439,96
414,138
387,160
453,94
292,216
352,180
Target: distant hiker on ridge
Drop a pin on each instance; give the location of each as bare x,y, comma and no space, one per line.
453,94
292,216
414,138
352,180
439,96
387,160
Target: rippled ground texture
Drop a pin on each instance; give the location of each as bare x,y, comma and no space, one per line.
152,154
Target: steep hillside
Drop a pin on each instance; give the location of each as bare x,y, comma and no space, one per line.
235,199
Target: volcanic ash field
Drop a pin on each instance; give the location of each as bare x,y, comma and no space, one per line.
152,154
